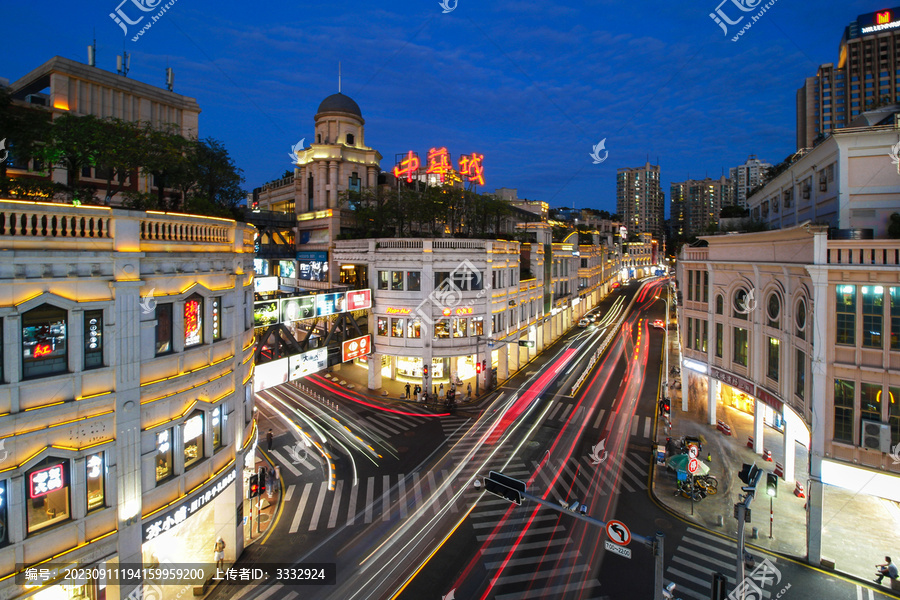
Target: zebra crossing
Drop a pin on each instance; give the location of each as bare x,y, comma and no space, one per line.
578,475
641,426
698,556
388,425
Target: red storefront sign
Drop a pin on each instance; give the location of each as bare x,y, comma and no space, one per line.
356,347
359,299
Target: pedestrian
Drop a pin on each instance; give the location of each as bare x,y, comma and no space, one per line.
888,569
270,482
219,554
276,480
407,390
469,390
441,391
709,457
269,440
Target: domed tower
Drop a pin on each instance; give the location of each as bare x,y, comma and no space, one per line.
338,160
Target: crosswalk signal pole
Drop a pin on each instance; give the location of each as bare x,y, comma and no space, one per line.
658,553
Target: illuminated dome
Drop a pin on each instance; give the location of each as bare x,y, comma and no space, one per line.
339,103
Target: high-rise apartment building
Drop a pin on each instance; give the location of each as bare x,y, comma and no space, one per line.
747,177
865,76
696,204
640,199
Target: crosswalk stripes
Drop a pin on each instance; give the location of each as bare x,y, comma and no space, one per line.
697,557
630,474
304,497
599,418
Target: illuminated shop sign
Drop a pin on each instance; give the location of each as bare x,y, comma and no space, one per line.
397,311
295,309
356,347
878,21
41,483
734,381
193,428
470,170
330,304
192,322
313,265
177,515
465,310
359,300
270,374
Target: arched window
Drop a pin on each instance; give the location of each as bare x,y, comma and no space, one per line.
800,319
44,342
720,304
739,306
350,139
193,439
773,309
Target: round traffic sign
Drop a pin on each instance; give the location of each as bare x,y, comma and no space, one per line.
693,466
693,451
618,533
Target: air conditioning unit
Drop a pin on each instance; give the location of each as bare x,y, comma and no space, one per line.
876,436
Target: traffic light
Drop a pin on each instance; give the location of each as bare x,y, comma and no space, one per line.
425,371
261,476
771,484
478,367
750,475
664,407
484,365
253,492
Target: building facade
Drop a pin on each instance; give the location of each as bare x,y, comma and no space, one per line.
804,333
697,204
640,200
64,86
745,178
865,76
125,404
847,181
450,304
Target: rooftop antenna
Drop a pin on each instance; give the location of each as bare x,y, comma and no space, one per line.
339,77
92,52
123,63
170,78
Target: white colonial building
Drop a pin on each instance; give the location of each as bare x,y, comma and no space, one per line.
125,397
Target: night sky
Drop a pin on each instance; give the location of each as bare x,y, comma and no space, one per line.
532,86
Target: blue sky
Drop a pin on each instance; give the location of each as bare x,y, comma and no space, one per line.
533,86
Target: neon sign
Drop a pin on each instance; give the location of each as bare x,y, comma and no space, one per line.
466,310
408,166
192,322
470,167
397,311
439,163
42,350
883,17
45,481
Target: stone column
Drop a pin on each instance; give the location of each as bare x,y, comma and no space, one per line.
374,371
334,184
712,386
759,425
820,403
502,363
790,449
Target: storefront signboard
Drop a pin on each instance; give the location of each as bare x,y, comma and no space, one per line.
734,381
163,522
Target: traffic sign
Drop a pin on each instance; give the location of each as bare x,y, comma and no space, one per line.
693,466
505,487
616,549
693,451
526,343
618,533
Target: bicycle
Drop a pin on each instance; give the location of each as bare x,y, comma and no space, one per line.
709,484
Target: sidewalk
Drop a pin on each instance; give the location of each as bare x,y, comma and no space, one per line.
859,530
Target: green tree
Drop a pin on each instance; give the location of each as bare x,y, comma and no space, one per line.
24,130
218,180
117,156
74,143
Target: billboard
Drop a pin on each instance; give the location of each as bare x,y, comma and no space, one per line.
313,265
330,304
265,313
359,299
308,363
294,309
287,268
261,267
265,285
356,347
270,374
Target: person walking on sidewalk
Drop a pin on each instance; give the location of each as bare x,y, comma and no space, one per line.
269,440
407,390
469,390
441,392
888,569
219,554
